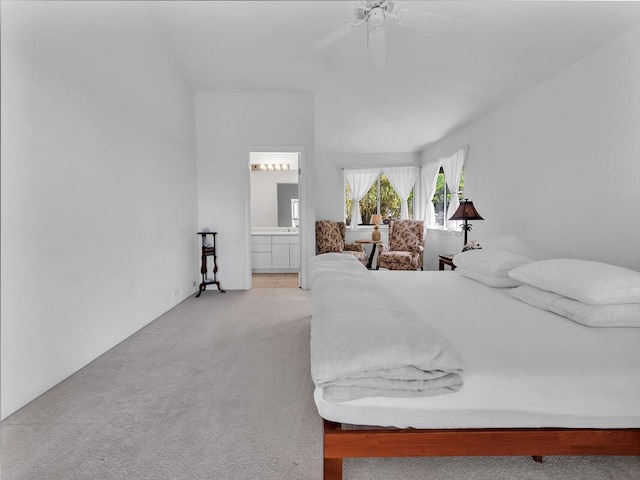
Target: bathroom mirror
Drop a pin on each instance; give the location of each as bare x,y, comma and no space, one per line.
288,205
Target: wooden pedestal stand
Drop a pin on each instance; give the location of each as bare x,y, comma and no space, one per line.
208,251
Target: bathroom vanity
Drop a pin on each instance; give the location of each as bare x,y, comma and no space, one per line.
275,250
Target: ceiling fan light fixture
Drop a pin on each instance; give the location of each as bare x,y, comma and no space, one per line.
375,18
374,13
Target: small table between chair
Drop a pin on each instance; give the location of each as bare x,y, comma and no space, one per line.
373,250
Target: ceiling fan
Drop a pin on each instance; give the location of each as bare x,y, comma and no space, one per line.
374,14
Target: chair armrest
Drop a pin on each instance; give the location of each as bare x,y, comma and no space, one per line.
353,247
384,248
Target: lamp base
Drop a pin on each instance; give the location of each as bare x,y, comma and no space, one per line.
375,235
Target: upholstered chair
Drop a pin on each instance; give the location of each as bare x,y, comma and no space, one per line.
330,237
406,246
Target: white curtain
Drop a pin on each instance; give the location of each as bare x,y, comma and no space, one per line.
360,181
402,180
452,167
428,181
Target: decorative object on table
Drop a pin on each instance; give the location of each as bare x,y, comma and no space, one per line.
376,219
208,249
405,248
472,245
330,238
466,211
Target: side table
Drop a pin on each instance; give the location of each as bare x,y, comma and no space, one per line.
373,250
446,260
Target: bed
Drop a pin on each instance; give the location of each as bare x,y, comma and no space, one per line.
535,383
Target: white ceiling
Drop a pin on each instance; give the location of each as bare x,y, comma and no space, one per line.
435,79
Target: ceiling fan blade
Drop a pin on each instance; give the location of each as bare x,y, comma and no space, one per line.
432,20
327,40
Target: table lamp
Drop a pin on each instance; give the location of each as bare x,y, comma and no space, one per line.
466,211
376,219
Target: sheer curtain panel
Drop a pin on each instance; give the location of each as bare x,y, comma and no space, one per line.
360,181
452,167
402,180
428,182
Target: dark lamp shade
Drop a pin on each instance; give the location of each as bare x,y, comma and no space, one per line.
466,211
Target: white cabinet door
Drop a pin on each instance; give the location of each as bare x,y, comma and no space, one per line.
280,256
261,259
294,256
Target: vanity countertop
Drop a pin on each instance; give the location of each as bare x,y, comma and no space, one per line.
275,232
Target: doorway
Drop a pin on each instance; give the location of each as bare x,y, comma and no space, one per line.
274,218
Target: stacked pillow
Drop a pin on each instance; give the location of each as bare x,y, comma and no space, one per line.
591,293
490,267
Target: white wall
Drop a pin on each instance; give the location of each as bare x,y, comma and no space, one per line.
556,171
228,127
99,199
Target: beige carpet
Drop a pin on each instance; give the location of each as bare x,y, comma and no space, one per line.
219,388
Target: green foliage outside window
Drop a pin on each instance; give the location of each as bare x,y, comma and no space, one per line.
439,197
389,202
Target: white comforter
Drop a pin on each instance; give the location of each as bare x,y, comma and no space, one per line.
524,367
366,343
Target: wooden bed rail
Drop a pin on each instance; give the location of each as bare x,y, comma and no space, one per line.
535,442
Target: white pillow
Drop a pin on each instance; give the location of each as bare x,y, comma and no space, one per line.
490,280
610,315
489,262
589,282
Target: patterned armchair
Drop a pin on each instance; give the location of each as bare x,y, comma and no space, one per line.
406,246
330,238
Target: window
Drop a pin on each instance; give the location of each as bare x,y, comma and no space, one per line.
442,198
437,179
381,198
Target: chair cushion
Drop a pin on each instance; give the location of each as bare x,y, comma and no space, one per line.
359,255
353,247
398,260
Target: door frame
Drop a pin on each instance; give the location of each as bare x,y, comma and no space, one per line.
302,191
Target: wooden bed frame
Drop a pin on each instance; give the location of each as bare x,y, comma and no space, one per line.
536,442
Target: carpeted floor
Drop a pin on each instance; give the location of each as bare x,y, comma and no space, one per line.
219,388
